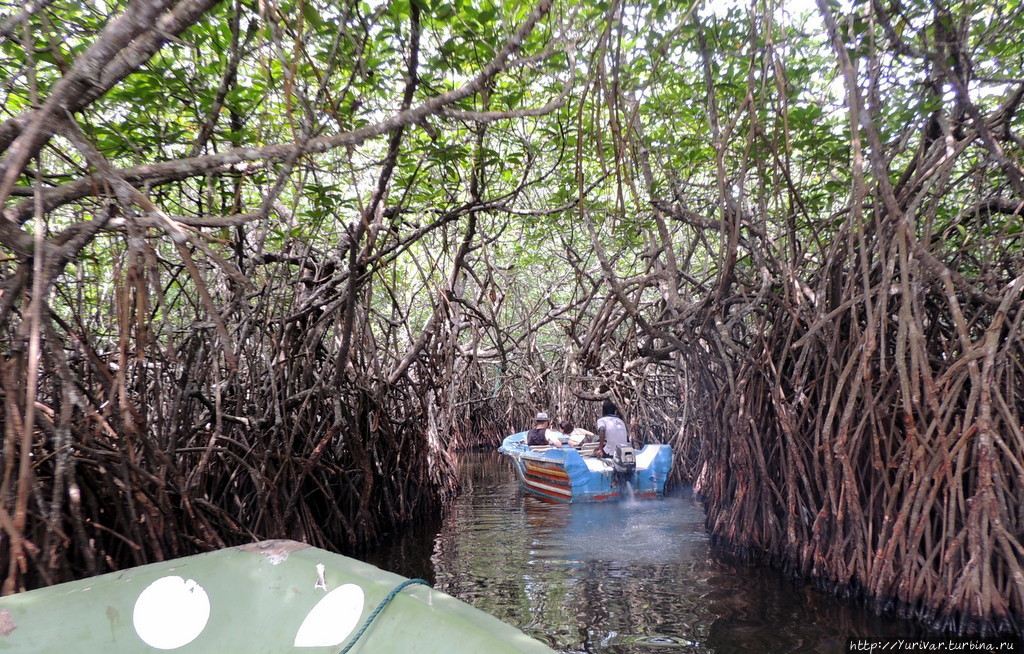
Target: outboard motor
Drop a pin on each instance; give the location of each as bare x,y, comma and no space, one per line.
623,464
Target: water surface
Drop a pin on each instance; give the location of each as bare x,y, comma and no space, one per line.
630,577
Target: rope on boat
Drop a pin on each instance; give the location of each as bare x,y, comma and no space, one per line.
380,607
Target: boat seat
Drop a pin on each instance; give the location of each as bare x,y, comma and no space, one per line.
588,449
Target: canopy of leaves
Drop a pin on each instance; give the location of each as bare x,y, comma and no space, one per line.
270,260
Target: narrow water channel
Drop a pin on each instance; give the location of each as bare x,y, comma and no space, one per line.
615,578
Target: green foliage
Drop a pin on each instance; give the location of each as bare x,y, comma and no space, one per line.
650,91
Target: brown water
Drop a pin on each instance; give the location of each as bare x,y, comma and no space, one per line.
615,578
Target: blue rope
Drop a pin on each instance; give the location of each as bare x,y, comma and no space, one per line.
380,607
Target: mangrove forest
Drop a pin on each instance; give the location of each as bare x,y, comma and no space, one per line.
268,266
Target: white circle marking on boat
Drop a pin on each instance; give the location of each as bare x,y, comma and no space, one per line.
171,612
333,618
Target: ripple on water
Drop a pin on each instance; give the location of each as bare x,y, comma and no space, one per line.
616,578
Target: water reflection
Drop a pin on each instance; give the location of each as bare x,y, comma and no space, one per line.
625,533
616,578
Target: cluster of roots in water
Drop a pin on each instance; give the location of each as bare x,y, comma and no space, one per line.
839,369
934,623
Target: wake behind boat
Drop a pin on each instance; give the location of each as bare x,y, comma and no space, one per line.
569,474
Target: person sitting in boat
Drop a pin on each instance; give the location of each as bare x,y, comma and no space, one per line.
577,435
611,430
541,435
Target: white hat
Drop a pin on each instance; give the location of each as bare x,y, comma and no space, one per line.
542,417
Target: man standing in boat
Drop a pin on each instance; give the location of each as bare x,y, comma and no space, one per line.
540,434
611,430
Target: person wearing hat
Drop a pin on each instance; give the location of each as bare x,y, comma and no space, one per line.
540,434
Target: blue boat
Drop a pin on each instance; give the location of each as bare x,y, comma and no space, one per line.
568,474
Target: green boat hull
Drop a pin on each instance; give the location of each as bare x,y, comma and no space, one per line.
273,597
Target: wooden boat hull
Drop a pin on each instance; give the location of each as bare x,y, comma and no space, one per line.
268,597
563,475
